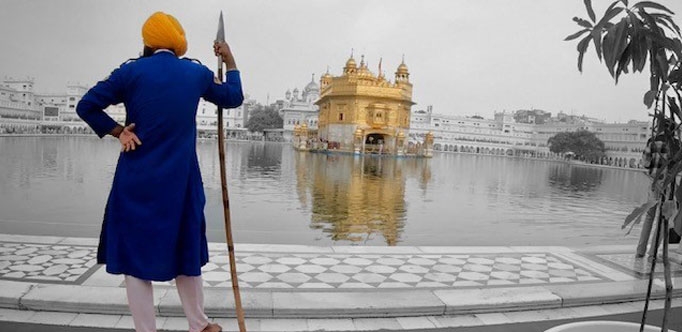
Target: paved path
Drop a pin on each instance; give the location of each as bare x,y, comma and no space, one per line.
301,288
72,261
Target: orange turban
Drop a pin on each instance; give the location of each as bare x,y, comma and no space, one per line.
164,31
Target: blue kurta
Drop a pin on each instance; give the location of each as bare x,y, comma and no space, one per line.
154,226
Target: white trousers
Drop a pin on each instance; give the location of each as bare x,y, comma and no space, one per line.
141,302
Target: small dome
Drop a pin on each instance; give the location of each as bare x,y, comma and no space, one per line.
402,69
351,63
364,71
326,77
312,85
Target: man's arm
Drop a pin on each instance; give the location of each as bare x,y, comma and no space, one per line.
228,94
91,107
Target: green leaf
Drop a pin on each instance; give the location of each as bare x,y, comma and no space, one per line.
675,76
654,78
640,57
651,4
651,22
666,21
637,213
576,35
637,43
649,98
675,159
618,46
601,25
582,23
623,63
582,47
588,5
678,195
609,15
672,104
634,20
635,54
672,174
596,37
613,4
609,50
672,22
662,63
677,48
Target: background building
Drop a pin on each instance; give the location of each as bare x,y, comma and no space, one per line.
296,110
504,135
234,119
19,112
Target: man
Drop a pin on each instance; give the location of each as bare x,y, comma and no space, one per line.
154,226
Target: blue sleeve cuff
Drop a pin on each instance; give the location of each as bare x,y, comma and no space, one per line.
232,76
106,127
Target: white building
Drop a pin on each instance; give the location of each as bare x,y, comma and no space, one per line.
17,99
58,107
502,135
19,112
234,119
298,110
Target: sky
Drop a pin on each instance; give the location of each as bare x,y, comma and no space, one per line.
465,57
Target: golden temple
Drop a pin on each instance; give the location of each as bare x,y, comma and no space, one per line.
360,112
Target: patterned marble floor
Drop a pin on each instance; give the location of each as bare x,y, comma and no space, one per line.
46,262
75,264
274,270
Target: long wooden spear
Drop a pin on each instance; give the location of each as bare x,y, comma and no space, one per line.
220,37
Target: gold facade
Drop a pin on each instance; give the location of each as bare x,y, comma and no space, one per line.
365,113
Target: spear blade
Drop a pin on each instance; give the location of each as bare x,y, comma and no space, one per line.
220,36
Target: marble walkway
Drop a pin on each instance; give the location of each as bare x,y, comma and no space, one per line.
55,282
73,261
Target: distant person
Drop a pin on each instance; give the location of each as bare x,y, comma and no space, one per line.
655,157
154,227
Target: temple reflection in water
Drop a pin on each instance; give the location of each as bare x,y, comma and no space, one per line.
357,198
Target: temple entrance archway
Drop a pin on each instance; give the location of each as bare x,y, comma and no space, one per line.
376,143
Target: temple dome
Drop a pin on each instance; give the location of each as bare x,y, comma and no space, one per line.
351,63
402,69
312,86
